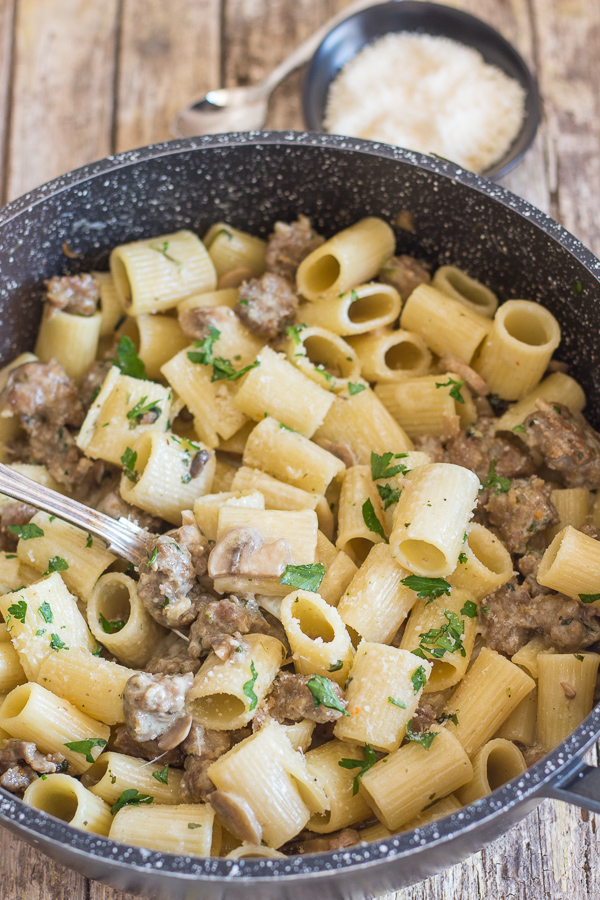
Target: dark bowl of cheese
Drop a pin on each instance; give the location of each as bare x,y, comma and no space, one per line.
428,78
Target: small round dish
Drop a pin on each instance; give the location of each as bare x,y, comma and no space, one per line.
345,40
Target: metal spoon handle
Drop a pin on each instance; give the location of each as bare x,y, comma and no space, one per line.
121,536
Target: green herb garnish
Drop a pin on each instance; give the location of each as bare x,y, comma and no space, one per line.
141,408
445,639
130,797
56,564
380,465
18,610
427,588
395,702
127,359
469,609
203,352
419,679
497,482
110,627
162,775
371,521
355,388
85,747
455,390
323,693
56,643
589,598
425,739
129,460
364,764
304,578
26,532
388,494
248,687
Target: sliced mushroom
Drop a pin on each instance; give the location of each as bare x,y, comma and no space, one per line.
237,816
199,461
342,451
268,560
195,322
225,555
472,379
174,735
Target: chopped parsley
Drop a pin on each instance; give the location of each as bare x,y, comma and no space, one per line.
355,388
195,824
519,428
89,542
153,556
499,484
578,656
577,287
336,666
56,643
110,627
323,693
447,717
128,361
203,352
56,564
388,494
140,409
419,679
163,252
380,465
130,797
223,369
469,609
445,639
129,460
85,747
248,687
463,558
305,578
18,610
162,775
425,739
395,702
371,521
454,390
40,632
293,332
427,588
363,764
353,295
589,598
26,532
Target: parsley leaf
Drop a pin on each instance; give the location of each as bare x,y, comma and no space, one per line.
419,679
380,465
110,627
162,775
305,578
224,370
89,543
447,717
371,521
585,598
519,428
56,564
203,352
26,532
425,739
336,666
294,333
195,824
323,693
18,610
395,702
127,359
388,494
445,639
463,558
163,251
497,482
455,390
469,609
56,643
141,408
364,764
427,588
248,687
153,556
85,747
355,388
130,797
129,460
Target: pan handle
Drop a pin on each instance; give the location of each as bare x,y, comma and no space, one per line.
579,784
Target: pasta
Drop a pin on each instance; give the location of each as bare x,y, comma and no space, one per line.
374,510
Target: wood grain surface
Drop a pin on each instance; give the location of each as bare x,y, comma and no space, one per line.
80,79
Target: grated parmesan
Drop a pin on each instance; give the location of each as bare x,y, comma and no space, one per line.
429,94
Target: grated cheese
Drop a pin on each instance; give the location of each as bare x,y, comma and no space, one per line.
429,94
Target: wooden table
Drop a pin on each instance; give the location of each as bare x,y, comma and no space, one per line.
80,79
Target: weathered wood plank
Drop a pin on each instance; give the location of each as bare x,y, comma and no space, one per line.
27,874
7,11
169,54
62,98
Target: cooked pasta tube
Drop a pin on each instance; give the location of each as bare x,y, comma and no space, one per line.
71,340
383,693
291,457
446,325
206,508
44,618
484,563
423,405
391,355
277,494
166,477
323,356
516,352
274,387
66,798
92,684
226,694
521,725
497,762
32,713
345,808
572,506
374,833
318,638
237,442
361,422
300,734
527,656
11,670
282,794
355,523
115,418
571,565
431,518
557,387
80,558
254,851
226,297
400,788
456,283
376,603
186,829
155,274
437,809
350,257
365,308
565,694
113,773
231,249
119,620
224,475
110,305
340,570
14,574
160,339
492,688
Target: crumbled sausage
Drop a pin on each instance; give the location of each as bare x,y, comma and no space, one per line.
92,380
431,444
75,294
168,585
404,273
13,513
113,505
423,718
196,322
152,703
267,305
219,619
289,244
567,443
202,747
21,761
290,700
521,512
122,742
478,445
528,566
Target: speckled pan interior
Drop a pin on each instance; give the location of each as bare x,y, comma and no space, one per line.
251,180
